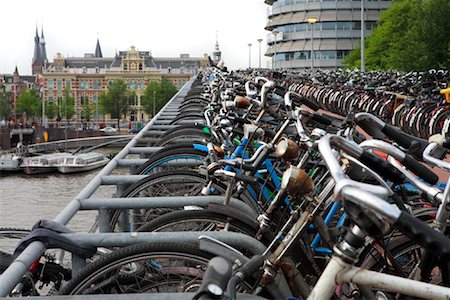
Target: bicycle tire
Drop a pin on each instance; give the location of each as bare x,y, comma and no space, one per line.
182,265
195,220
183,135
159,161
177,183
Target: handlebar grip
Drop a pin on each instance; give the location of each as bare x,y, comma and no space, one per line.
425,235
370,129
215,279
246,178
322,119
382,167
420,170
400,137
314,106
415,145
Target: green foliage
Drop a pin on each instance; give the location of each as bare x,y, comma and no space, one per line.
116,101
5,104
68,106
51,110
159,92
87,111
29,103
412,35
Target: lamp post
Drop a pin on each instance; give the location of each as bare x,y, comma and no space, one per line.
363,49
249,55
312,21
154,100
274,62
259,41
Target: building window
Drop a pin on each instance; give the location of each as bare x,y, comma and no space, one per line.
50,99
59,84
142,85
50,84
140,67
84,100
68,83
60,101
95,85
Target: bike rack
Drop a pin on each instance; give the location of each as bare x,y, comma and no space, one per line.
82,201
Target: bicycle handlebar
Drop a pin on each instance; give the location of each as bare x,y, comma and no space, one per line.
290,96
417,230
408,161
414,145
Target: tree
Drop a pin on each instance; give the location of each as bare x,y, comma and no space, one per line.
51,110
29,103
411,35
116,101
87,111
5,104
68,106
157,94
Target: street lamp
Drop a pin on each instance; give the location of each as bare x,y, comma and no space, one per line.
154,97
312,21
274,61
363,49
249,56
259,41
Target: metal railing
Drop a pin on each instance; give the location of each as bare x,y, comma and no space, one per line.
104,238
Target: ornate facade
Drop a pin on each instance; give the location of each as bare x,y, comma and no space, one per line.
87,77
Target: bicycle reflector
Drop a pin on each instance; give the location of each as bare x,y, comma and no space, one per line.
296,182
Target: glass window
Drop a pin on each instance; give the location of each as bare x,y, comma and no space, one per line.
329,26
59,84
142,85
68,82
50,84
357,25
50,99
84,100
60,101
301,27
328,54
95,85
344,25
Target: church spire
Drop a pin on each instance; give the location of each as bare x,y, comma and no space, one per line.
37,57
98,50
42,45
217,54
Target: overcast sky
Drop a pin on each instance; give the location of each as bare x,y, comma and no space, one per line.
166,27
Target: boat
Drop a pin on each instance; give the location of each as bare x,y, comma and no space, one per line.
81,162
10,162
44,163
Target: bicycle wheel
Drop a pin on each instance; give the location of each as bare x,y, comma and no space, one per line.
175,183
199,220
183,156
183,135
142,268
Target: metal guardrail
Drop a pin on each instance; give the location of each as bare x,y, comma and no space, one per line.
82,201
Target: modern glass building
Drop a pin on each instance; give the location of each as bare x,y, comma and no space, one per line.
332,28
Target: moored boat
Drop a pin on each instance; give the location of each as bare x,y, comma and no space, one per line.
45,163
81,162
10,163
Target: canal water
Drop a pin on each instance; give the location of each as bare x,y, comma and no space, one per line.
26,199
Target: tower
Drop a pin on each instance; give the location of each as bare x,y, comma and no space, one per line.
98,50
217,54
36,65
42,46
